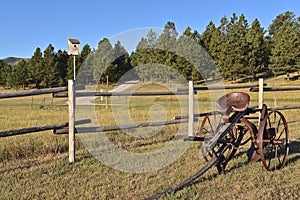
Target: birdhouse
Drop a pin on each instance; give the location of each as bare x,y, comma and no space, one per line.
73,46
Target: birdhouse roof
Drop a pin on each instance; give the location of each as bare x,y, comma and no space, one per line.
74,40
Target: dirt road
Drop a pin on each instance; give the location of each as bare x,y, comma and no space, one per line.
90,100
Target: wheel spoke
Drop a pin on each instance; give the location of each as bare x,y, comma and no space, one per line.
283,130
206,130
269,123
210,125
279,122
215,120
275,157
219,122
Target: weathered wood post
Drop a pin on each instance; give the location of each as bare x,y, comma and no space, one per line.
101,97
260,96
106,102
261,93
191,109
74,67
71,101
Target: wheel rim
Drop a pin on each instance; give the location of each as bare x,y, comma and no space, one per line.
273,141
208,128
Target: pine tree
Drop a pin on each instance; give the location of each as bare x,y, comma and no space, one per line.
145,55
137,56
284,44
167,39
84,69
183,60
256,49
285,53
51,74
211,40
102,59
206,37
120,64
165,52
36,67
287,17
235,48
218,48
5,71
19,76
192,59
62,65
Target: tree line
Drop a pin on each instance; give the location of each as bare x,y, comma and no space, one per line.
44,69
242,50
236,48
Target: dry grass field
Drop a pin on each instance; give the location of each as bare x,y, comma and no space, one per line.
35,166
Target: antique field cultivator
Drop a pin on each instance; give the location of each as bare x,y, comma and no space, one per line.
222,132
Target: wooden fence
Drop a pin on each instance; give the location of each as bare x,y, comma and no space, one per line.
71,130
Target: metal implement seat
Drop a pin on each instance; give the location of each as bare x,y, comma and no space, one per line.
237,101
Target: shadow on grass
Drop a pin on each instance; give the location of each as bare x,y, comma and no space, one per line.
239,164
294,149
24,164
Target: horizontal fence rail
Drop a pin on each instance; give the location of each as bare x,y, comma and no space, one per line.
253,108
271,89
197,88
4,95
197,115
180,91
123,126
86,94
40,128
284,108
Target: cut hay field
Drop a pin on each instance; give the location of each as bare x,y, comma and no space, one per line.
35,166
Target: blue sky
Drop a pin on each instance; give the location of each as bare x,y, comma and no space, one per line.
26,25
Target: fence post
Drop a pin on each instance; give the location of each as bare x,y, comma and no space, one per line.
101,97
260,96
106,102
71,94
191,109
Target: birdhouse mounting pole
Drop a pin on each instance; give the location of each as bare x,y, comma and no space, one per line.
74,67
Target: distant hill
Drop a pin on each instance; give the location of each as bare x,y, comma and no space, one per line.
13,60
